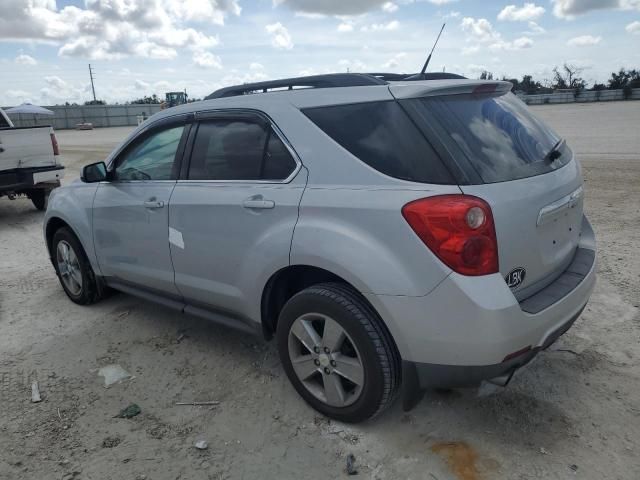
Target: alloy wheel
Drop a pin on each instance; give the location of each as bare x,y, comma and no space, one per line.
69,267
326,360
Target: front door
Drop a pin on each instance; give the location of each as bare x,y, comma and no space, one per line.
131,210
232,218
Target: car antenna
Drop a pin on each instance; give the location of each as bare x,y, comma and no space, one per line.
426,64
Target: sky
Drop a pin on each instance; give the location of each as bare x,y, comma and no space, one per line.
141,47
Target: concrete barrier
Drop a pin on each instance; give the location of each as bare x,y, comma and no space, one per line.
99,115
579,97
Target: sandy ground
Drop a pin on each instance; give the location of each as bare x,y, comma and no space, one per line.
574,413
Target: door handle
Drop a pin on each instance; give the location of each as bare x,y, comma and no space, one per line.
153,204
258,203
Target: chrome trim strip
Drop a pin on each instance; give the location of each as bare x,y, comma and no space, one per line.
566,202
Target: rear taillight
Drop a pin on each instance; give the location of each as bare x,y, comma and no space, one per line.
54,144
459,229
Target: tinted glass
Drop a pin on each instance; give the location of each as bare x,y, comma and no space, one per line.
3,122
384,137
278,163
238,150
152,158
501,138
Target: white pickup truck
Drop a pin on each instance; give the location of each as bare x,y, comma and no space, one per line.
29,162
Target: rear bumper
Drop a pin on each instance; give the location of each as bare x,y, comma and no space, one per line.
457,376
468,329
24,178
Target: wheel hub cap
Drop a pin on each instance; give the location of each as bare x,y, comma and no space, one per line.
69,267
325,359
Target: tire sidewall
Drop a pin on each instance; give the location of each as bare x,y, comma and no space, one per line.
373,388
85,269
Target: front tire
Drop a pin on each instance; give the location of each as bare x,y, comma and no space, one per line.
73,268
337,353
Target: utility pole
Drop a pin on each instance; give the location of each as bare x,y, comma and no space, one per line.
93,89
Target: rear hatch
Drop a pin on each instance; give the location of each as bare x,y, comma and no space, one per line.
500,152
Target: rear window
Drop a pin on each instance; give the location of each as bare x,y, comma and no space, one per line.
382,135
499,136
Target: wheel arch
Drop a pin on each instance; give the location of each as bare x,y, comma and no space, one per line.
55,223
288,281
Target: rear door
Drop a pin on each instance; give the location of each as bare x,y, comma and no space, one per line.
536,199
131,210
232,213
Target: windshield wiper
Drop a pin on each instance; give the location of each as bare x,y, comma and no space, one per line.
555,152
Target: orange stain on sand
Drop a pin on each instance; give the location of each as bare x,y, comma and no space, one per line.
460,457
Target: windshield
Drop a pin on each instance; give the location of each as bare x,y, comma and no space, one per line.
498,135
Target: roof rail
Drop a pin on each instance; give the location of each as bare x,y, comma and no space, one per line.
315,81
399,77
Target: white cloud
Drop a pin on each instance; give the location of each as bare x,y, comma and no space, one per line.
394,62
352,65
584,41
112,29
535,29
470,50
633,28
23,59
332,7
345,27
206,60
377,27
529,11
141,85
479,29
256,66
517,44
280,37
570,8
389,7
451,14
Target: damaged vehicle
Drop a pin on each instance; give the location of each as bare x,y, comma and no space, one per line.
392,233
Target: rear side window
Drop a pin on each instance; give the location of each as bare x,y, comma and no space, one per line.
382,135
239,150
498,135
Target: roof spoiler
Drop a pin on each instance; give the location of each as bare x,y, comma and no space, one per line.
430,89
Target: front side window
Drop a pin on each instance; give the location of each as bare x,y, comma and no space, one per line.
239,150
151,158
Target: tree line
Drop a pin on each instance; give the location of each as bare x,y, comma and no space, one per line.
569,77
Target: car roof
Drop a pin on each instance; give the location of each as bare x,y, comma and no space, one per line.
334,89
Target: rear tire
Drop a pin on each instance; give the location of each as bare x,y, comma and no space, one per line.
358,375
74,270
39,197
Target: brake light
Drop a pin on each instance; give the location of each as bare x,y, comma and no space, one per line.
54,144
458,229
485,88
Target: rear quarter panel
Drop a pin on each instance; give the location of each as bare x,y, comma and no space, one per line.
361,235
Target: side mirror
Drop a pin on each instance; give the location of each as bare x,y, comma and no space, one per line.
94,172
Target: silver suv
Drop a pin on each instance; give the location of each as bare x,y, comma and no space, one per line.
393,234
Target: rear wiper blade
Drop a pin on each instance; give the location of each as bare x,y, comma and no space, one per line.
555,151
